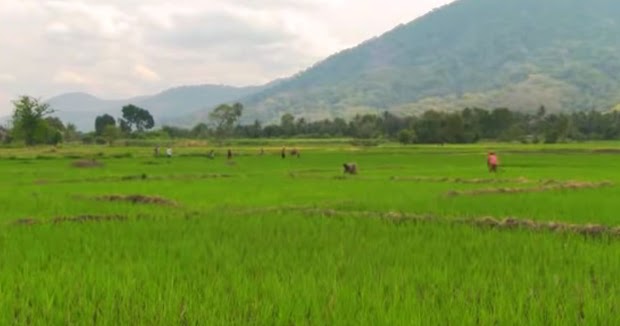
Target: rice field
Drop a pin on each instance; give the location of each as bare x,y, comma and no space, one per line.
423,235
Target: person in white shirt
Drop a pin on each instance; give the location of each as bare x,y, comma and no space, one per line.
169,152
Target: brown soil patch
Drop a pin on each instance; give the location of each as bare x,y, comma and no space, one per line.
138,199
86,164
549,185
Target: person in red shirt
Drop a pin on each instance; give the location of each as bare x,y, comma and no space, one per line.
492,162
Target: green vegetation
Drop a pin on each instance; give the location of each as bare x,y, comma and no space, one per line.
136,118
123,235
32,125
432,127
225,117
103,121
112,235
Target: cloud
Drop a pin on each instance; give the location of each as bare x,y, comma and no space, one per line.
70,78
119,48
6,78
230,39
210,30
5,106
103,20
145,73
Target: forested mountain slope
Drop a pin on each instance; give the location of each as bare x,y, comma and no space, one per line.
521,54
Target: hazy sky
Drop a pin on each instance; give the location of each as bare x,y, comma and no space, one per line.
120,48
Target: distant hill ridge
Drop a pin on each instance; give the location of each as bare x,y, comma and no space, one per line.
81,108
564,54
520,54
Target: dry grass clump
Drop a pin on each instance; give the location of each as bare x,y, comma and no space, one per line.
549,185
89,218
137,199
513,223
84,164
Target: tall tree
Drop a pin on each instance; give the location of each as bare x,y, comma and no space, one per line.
224,118
453,129
200,130
124,126
255,129
138,118
54,130
366,126
287,123
103,121
55,123
428,128
111,133
406,136
28,120
392,124
71,133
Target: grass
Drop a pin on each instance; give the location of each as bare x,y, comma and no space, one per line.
258,241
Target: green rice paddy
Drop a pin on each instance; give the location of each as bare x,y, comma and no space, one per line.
260,240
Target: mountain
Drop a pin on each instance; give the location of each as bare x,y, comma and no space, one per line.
520,54
81,109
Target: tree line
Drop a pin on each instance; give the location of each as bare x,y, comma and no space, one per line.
34,124
108,129
469,125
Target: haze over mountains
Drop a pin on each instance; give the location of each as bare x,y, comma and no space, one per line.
168,106
520,54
